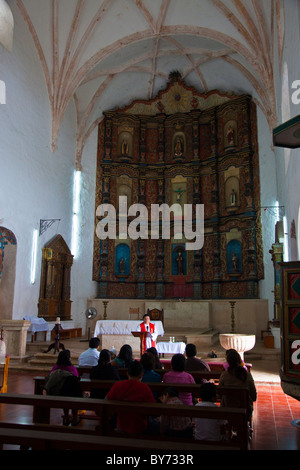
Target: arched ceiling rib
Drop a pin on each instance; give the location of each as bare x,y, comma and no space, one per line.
105,53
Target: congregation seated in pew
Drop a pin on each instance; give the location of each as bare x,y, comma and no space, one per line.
205,428
147,362
174,426
91,355
63,381
133,390
178,375
157,363
124,358
104,370
192,362
237,375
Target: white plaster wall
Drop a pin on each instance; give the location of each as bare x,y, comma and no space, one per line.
279,168
36,183
288,160
268,198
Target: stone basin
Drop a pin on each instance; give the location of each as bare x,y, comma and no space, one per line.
238,341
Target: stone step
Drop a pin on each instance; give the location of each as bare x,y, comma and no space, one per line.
49,359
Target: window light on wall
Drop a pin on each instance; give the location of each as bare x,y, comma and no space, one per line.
286,240
34,255
76,211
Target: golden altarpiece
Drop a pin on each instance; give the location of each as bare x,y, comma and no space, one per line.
192,148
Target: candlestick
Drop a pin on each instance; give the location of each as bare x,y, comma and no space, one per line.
105,302
232,304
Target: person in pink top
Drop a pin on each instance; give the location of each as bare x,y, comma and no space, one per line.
177,375
64,363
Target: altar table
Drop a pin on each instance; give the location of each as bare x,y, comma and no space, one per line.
170,348
116,333
123,327
37,324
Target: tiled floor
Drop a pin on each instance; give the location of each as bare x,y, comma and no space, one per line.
273,413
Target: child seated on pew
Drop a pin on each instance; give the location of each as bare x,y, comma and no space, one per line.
205,428
174,426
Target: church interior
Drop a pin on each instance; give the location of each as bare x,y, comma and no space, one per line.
110,109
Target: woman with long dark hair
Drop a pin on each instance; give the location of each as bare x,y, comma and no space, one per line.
124,358
103,371
237,375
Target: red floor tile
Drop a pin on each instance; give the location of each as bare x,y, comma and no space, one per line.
273,413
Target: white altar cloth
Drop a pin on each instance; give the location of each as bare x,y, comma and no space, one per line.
123,327
170,348
36,324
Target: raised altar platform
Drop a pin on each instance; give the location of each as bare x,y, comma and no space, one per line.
251,315
189,321
118,332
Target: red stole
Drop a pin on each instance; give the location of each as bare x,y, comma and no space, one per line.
151,330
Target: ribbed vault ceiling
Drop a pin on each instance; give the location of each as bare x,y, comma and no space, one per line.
105,53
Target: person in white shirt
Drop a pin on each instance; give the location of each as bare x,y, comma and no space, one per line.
90,356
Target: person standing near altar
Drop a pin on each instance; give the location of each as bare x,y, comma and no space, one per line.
149,328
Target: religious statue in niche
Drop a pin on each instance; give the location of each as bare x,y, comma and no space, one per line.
179,193
178,144
234,257
122,260
234,262
179,262
122,265
124,147
232,192
230,134
178,147
233,198
125,143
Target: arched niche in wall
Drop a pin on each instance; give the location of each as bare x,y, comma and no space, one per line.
8,254
125,143
124,188
179,190
178,260
234,258
179,145
230,134
232,189
122,259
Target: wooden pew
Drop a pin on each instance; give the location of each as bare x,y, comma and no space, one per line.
87,385
106,408
37,438
43,415
198,375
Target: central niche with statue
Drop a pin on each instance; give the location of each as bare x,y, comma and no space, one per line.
181,147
